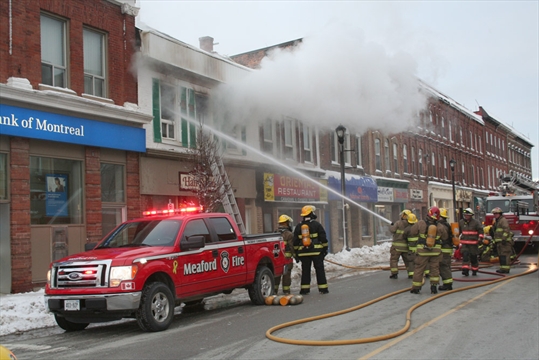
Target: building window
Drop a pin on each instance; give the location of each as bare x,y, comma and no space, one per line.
420,161
480,145
94,63
334,147
55,191
473,175
446,170
267,136
450,131
443,127
461,138
386,155
433,160
289,139
3,177
413,161
113,204
307,146
347,155
53,51
239,133
463,174
377,162
471,140
395,158
405,158
168,117
359,160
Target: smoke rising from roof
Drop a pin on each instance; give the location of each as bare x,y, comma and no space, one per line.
332,77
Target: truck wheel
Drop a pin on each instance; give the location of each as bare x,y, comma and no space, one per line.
262,287
156,310
68,325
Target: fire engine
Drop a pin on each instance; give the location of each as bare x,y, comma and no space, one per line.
518,199
146,267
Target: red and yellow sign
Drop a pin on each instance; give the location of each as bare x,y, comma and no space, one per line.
293,189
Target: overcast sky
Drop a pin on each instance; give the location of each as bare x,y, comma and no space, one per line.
476,52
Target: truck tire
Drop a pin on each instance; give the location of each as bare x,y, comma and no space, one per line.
68,325
156,310
262,287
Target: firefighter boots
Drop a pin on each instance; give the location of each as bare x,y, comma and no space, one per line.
410,276
324,291
394,276
433,289
500,271
415,291
465,272
304,292
445,287
474,272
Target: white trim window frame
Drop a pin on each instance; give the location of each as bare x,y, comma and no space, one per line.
95,67
289,141
268,136
53,50
307,144
359,160
168,100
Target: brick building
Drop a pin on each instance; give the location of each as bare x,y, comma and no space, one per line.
70,131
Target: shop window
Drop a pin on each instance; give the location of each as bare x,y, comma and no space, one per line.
56,191
94,63
53,51
3,177
112,196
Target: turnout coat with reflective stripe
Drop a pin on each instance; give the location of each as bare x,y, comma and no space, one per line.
470,231
319,241
398,231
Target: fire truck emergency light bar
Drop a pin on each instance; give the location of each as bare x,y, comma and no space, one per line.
183,210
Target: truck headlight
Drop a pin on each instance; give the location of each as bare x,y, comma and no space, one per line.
49,278
121,273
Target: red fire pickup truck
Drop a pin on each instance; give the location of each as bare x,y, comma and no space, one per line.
146,267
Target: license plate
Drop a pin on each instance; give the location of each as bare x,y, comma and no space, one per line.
71,305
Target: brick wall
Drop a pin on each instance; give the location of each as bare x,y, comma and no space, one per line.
25,57
21,257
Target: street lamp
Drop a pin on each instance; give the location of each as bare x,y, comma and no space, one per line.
341,130
452,164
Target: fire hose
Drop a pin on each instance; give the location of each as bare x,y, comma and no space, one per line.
269,333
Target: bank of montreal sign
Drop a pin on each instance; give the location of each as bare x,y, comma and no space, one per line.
29,123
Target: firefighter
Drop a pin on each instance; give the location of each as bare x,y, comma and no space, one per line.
503,238
429,251
399,247
411,235
447,251
485,247
285,228
311,246
471,232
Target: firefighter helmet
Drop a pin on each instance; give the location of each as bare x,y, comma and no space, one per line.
434,213
468,211
486,230
405,213
412,219
497,210
443,213
307,209
284,218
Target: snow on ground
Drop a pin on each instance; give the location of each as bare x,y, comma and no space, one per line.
27,311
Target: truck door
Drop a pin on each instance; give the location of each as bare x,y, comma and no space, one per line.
232,260
198,267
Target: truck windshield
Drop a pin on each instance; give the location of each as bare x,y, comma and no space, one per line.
144,233
510,205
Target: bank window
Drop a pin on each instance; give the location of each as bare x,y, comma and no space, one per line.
3,177
53,51
56,191
94,63
112,196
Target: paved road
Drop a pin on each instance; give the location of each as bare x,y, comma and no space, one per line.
498,321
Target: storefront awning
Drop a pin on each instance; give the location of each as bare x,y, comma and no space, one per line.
357,188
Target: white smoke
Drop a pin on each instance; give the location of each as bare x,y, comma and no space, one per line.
332,77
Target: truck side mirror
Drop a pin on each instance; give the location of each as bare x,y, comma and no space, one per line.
192,242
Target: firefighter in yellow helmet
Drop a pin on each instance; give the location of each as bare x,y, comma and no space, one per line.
411,235
471,232
447,251
311,246
503,238
285,228
429,251
399,247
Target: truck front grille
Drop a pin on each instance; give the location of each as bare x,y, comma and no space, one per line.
87,274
